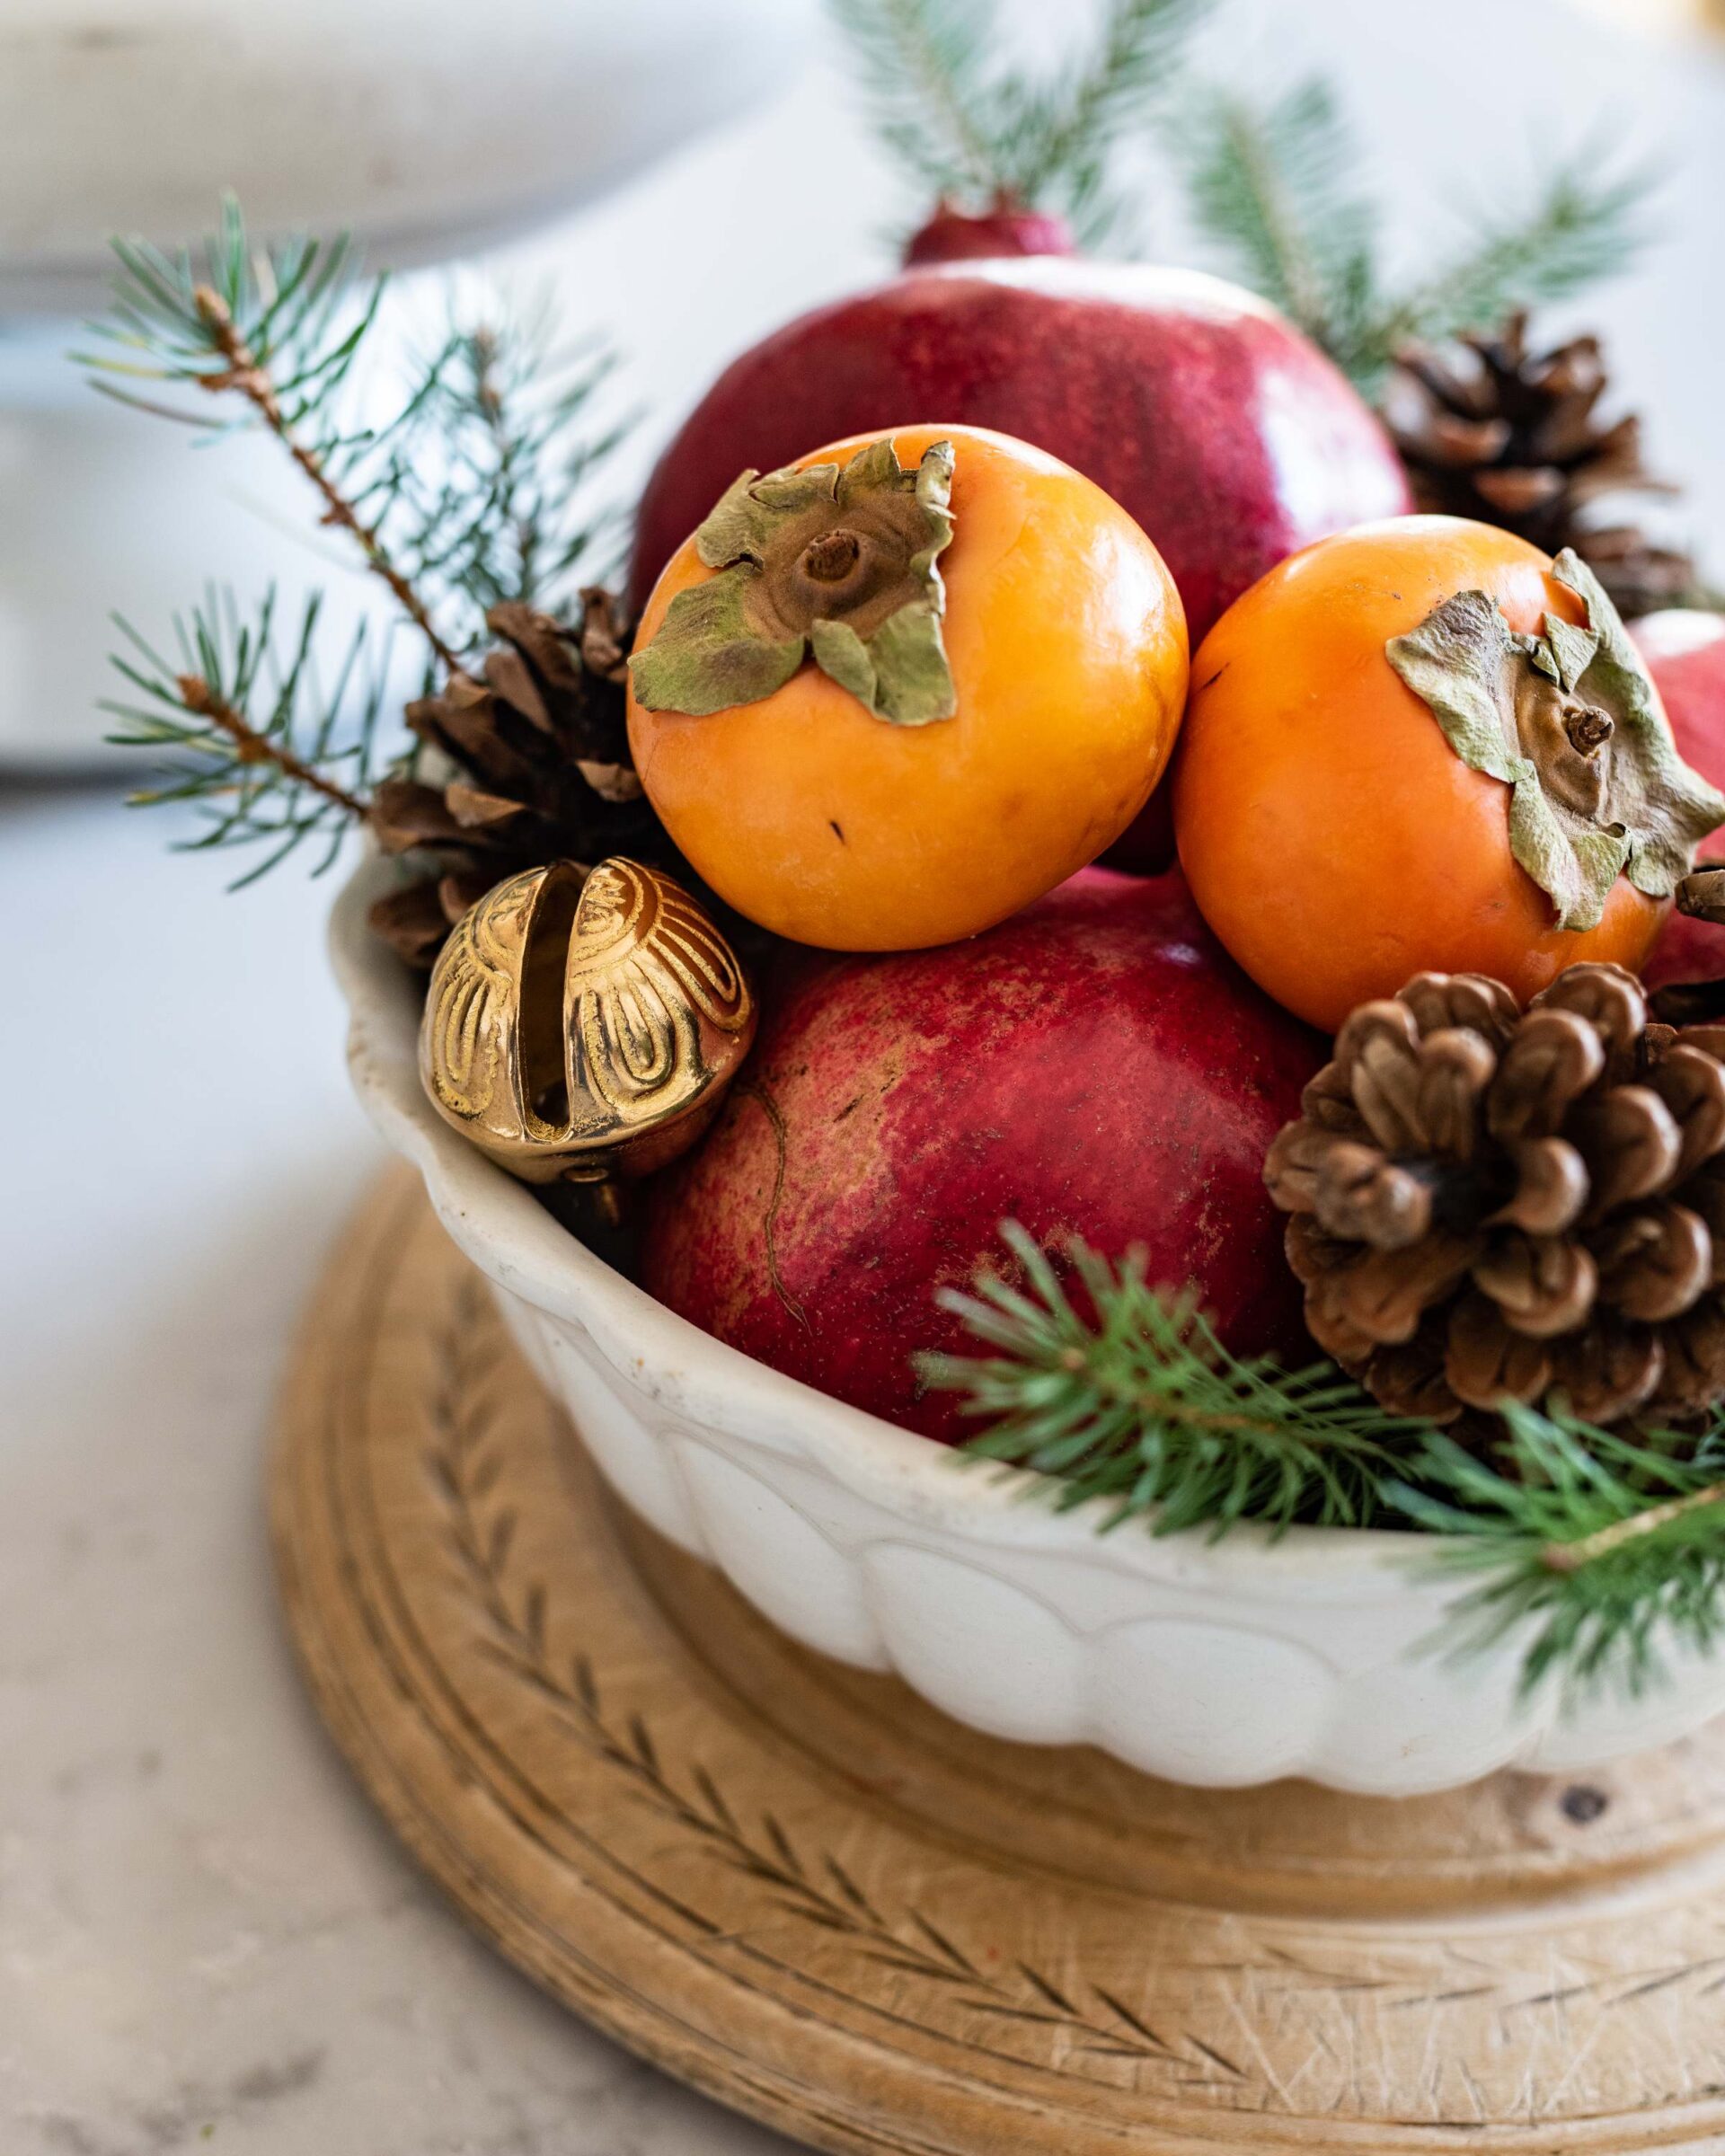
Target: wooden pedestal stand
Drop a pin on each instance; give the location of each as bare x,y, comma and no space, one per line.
802,1890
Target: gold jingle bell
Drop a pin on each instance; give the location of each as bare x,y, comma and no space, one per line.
584,1024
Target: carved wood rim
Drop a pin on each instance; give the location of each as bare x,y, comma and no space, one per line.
741,1943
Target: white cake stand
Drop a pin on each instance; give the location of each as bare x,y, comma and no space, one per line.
426,127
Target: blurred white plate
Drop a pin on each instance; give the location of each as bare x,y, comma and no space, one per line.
423,126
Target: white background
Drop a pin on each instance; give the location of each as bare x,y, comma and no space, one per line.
200,1926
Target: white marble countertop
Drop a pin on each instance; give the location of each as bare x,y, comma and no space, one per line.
205,1939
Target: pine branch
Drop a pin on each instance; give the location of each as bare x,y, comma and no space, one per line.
499,509
1274,188
1581,229
275,332
1599,1550
1280,191
1142,1406
471,491
200,700
965,128
1612,1539
923,68
1057,142
254,734
248,377
1607,1550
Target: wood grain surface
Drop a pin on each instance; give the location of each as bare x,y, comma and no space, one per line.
800,1889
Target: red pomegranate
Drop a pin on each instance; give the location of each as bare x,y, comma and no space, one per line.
1213,421
1004,228
1096,1065
1228,436
1684,651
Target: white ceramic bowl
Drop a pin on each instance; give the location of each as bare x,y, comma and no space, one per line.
1215,1663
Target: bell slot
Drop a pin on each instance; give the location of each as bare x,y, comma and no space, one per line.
544,1045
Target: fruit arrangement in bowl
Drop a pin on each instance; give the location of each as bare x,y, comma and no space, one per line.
1079,1034
1332,1285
